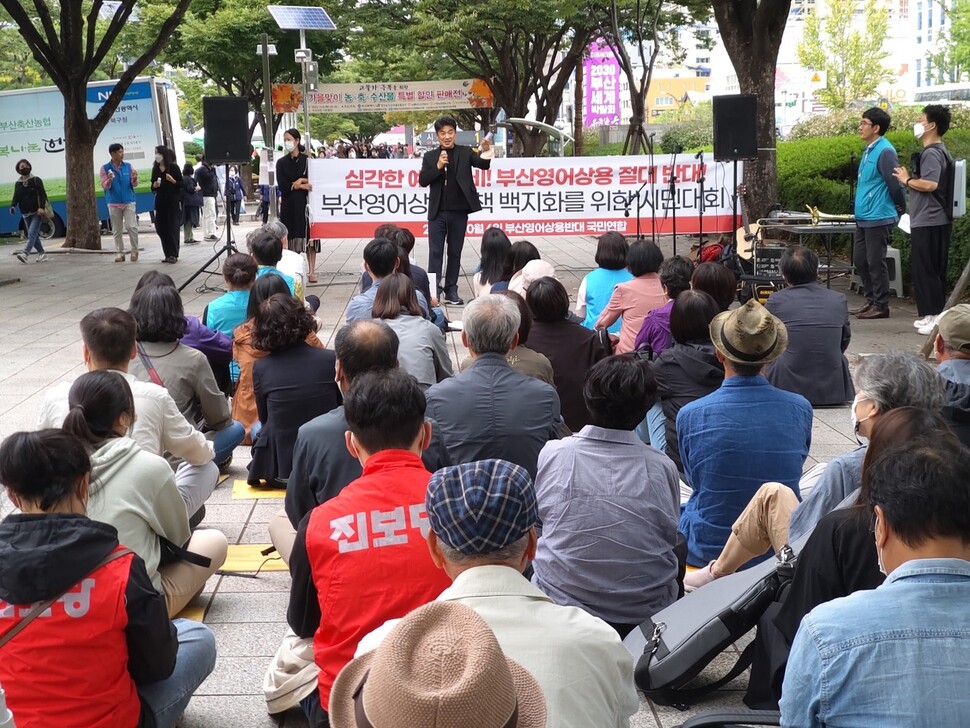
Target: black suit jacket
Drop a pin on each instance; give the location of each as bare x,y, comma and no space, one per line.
463,159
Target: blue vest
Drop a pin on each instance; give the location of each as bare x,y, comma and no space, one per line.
599,288
872,200
121,191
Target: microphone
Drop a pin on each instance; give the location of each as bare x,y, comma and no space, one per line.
699,155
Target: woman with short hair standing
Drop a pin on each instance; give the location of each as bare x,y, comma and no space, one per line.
168,189
292,177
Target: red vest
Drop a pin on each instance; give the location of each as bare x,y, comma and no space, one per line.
69,667
369,558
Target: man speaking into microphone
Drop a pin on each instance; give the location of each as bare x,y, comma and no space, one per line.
447,170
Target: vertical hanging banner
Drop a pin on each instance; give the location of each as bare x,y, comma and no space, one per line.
601,73
531,196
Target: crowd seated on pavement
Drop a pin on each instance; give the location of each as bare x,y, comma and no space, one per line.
514,510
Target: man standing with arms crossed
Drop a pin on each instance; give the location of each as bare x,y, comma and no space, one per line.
447,170
119,180
879,201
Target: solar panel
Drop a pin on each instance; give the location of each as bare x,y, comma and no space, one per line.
296,17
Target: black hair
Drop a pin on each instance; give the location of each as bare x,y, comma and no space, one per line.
115,147
109,334
365,345
799,265
386,230
240,270
188,170
395,295
404,239
611,251
548,300
618,391
385,410
525,314
939,115
644,257
154,278
443,121
281,322
159,314
521,252
921,487
878,117
265,247
295,133
718,281
675,273
44,467
403,261
97,399
264,287
494,250
168,156
691,316
381,255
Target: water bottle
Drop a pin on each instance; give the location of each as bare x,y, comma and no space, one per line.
6,717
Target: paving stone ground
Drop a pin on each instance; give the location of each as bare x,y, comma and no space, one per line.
40,346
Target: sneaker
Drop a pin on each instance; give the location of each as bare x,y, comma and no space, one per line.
211,237
134,256
921,322
453,299
696,579
42,257
22,257
928,327
120,259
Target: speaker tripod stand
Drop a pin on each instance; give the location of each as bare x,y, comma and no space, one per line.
228,248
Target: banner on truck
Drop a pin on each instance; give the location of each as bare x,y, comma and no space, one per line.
349,98
534,196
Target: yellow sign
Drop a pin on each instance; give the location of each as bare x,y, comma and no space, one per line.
816,78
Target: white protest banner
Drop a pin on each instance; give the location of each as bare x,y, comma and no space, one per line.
349,98
526,196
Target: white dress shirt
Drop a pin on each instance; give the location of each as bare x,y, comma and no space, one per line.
585,672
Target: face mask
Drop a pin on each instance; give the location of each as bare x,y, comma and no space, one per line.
24,170
855,420
158,158
882,568
289,146
232,173
918,130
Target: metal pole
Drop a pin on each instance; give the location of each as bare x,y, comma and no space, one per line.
306,101
268,144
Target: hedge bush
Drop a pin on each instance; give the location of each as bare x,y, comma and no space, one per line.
817,172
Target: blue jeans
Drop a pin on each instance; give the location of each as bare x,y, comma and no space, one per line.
316,716
653,429
33,223
225,440
167,699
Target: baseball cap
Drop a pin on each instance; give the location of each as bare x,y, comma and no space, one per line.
954,326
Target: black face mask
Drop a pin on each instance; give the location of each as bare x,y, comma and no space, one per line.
24,170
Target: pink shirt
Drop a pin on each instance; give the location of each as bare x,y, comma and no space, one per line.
632,300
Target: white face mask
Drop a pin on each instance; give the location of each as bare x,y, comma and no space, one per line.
158,158
232,173
289,146
918,130
855,420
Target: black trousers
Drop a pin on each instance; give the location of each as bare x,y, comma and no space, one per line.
929,257
232,209
869,259
168,225
447,228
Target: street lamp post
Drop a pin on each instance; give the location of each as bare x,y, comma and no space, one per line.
268,50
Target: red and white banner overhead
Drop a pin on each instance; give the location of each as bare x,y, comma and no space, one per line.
526,196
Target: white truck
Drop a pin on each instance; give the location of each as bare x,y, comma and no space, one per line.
32,128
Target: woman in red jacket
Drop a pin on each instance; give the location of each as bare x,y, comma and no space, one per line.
104,654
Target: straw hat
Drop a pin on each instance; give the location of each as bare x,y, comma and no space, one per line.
440,667
749,335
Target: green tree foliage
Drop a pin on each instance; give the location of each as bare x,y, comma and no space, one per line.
526,50
219,38
646,26
70,40
852,56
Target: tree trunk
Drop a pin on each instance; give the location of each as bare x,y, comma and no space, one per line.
579,146
762,174
529,143
83,228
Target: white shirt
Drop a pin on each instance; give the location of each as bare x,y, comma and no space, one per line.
585,672
159,426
